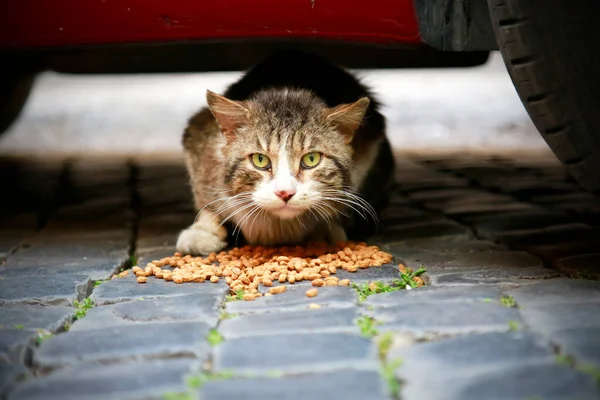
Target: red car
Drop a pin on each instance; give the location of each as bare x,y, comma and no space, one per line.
550,47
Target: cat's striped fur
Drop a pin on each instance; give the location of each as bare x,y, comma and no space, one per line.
284,108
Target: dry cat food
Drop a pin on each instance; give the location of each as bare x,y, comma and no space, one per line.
245,268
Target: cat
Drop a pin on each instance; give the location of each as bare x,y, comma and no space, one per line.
295,151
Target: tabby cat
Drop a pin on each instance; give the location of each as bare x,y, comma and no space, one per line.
294,151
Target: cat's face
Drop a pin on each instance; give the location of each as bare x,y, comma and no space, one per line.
288,154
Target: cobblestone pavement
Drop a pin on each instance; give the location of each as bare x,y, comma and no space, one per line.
500,319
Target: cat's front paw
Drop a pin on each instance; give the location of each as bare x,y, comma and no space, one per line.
197,241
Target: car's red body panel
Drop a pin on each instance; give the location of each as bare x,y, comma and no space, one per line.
41,23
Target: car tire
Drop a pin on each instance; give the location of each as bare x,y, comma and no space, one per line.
553,58
14,91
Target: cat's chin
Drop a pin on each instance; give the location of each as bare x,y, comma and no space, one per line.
287,212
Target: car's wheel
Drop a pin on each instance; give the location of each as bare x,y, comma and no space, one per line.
14,91
552,54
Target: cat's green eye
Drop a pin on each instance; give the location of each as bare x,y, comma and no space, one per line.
260,161
310,160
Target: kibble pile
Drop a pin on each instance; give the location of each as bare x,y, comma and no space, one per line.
243,269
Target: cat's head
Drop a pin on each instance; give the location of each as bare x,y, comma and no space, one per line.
287,152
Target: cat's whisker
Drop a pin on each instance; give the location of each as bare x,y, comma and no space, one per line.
322,211
237,211
299,223
255,217
348,204
358,201
231,204
233,201
244,219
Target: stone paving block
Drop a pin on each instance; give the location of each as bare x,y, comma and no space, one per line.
54,289
459,210
427,319
432,294
295,299
553,199
324,320
422,230
93,268
452,358
489,226
347,384
551,235
191,307
34,317
126,289
400,215
580,342
551,317
10,375
149,254
456,369
553,382
557,291
124,343
67,247
582,266
319,352
442,194
521,275
429,181
555,252
444,245
384,273
15,345
131,381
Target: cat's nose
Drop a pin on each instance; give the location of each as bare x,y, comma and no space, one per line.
285,195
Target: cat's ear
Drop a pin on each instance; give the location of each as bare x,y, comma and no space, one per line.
229,114
348,117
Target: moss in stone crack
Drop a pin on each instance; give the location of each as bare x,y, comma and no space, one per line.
513,326
275,373
67,326
225,315
214,338
179,396
82,307
238,295
487,300
99,282
42,335
19,326
585,368
406,280
133,260
388,372
367,289
507,301
384,344
367,326
389,367
195,382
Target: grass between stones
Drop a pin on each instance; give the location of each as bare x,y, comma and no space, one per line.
508,301
589,369
239,295
82,307
389,366
214,338
405,281
367,326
